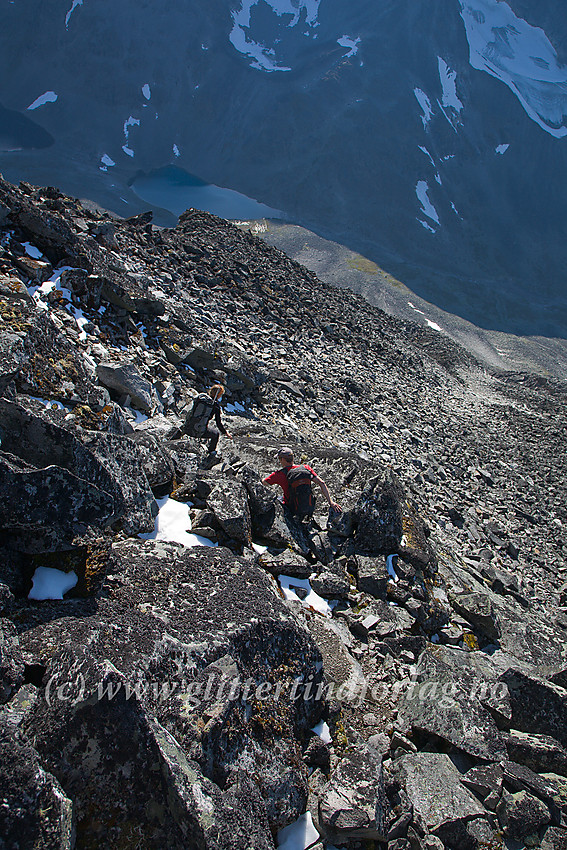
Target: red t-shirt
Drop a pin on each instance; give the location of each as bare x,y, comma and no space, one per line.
279,477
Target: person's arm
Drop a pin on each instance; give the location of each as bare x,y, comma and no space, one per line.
218,421
327,495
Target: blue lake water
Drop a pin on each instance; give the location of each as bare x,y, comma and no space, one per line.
176,190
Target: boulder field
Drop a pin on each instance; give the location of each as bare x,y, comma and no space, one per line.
211,671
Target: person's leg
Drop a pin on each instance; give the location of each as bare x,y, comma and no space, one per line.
213,437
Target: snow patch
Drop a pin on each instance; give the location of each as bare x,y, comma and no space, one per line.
176,151
351,43
47,97
521,56
173,523
432,161
32,251
425,104
49,403
390,559
433,325
264,55
449,85
298,835
146,91
51,584
501,149
107,161
313,600
71,10
127,150
427,207
323,731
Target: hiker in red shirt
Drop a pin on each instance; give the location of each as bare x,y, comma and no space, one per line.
295,482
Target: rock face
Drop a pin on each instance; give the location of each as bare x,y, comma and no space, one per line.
176,695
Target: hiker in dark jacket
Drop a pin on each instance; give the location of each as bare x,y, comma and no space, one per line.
198,422
282,477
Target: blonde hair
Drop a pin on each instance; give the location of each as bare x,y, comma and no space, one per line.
216,391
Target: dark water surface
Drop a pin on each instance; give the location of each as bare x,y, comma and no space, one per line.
176,190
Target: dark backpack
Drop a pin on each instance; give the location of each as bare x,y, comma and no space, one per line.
198,419
301,500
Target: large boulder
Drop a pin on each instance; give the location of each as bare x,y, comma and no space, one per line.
353,805
11,661
97,474
537,706
125,379
522,814
439,800
198,642
538,752
35,811
372,575
229,503
380,516
446,701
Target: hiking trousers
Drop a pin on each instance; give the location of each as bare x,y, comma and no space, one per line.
212,434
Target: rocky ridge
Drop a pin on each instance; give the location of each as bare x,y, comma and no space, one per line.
171,697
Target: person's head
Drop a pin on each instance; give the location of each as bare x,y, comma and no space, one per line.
216,392
285,456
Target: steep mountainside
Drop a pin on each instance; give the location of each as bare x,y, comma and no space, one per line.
393,677
430,139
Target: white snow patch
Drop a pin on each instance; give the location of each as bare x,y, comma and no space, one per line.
51,584
235,408
323,731
351,43
298,835
521,56
449,85
390,559
32,251
501,149
287,583
264,55
173,523
146,91
127,150
106,160
176,151
433,325
425,104
139,416
427,207
130,122
47,97
432,161
50,402
259,549
71,10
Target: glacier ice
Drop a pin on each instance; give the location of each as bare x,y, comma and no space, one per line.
522,57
